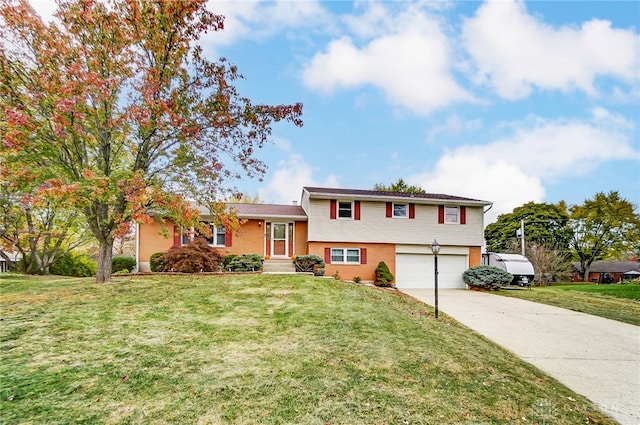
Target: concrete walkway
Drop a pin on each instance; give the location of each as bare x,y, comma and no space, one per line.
595,357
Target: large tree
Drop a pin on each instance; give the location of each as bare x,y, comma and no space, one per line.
40,229
400,186
117,99
544,224
604,226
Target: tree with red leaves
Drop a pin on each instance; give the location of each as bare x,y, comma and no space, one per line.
117,99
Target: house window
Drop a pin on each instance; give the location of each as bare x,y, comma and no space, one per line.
186,236
345,209
451,214
345,255
214,236
219,233
400,210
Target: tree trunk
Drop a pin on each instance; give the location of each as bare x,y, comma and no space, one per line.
105,254
585,278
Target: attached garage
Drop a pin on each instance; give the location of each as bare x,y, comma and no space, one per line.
417,271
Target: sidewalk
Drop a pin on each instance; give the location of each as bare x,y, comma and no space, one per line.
597,358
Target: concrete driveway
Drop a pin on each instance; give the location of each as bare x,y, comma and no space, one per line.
597,358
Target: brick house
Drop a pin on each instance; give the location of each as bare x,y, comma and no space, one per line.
353,230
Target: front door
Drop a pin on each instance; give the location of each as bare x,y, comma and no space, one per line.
279,240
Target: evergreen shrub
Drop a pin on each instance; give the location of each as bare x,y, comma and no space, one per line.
309,264
226,260
487,277
245,263
383,275
156,262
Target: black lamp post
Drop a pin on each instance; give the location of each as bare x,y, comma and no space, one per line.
435,248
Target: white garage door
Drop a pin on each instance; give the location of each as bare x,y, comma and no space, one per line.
417,271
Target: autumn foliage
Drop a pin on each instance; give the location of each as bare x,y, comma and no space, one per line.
118,102
196,257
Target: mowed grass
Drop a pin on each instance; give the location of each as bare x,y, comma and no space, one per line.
255,350
619,302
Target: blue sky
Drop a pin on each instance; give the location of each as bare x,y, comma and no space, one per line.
503,101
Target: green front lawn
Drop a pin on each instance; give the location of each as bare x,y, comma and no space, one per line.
619,302
257,349
629,291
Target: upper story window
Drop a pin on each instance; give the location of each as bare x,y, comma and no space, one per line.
345,209
400,210
451,215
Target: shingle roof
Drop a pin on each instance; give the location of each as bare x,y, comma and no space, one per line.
611,266
268,210
323,191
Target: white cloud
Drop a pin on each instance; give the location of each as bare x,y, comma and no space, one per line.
409,61
513,170
453,126
253,19
515,52
494,180
558,148
287,181
45,8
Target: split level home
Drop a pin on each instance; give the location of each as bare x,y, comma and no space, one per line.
352,230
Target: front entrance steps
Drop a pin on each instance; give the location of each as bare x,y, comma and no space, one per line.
278,266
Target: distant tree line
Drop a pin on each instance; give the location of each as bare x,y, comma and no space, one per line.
605,227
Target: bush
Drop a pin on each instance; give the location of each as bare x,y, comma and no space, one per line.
156,262
227,260
488,277
309,264
119,264
74,264
356,279
383,275
245,263
196,257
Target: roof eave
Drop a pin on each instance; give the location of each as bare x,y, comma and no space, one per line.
412,199
272,216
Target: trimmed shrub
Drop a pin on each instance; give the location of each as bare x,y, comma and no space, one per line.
74,264
156,262
309,264
120,264
196,257
245,263
383,275
226,260
487,277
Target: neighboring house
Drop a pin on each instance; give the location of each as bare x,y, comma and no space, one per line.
7,263
607,271
353,230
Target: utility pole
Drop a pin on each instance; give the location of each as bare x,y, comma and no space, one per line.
522,236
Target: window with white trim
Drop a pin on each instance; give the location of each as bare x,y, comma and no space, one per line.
215,236
345,209
451,215
400,210
345,255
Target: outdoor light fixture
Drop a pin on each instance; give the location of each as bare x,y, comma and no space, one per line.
259,224
435,248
